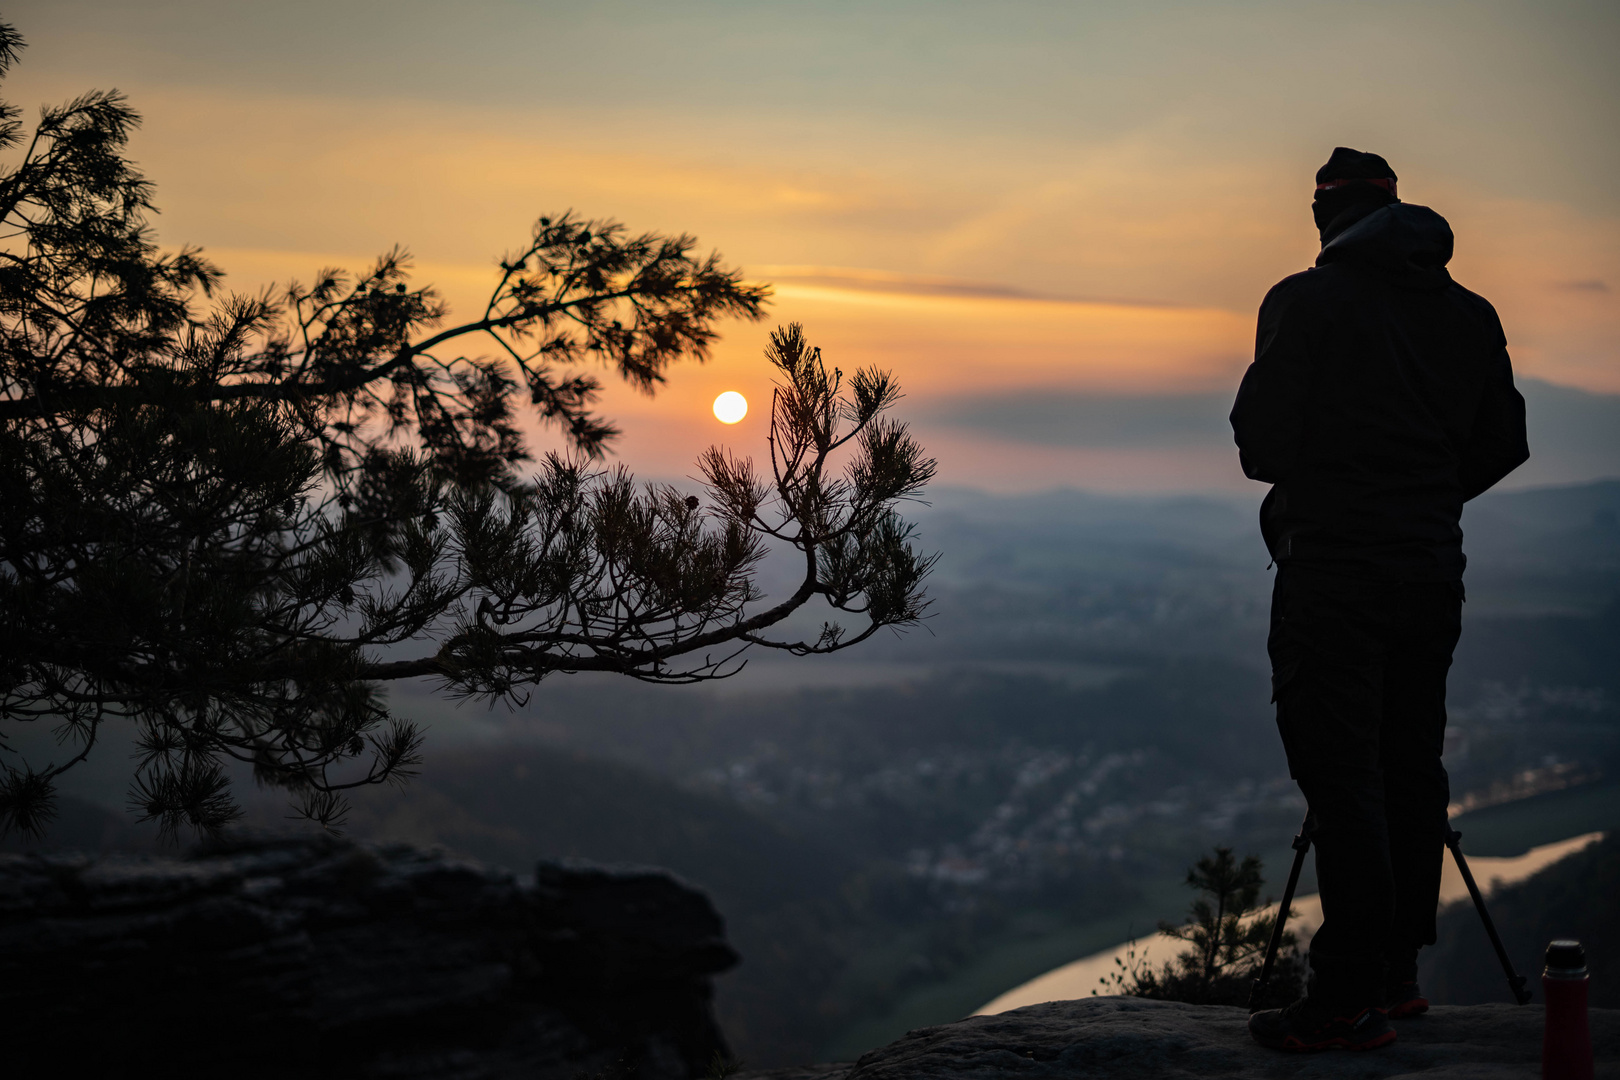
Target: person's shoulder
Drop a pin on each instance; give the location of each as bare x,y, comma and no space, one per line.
1477,306
1301,288
1472,300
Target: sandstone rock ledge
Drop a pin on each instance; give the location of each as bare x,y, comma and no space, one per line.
1131,1037
265,960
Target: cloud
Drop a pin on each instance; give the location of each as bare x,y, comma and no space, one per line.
882,281
860,279
1592,285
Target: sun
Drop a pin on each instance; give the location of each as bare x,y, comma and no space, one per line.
730,407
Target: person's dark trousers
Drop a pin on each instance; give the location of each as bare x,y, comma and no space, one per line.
1359,678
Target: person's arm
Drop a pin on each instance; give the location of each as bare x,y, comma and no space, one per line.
1268,418
1497,443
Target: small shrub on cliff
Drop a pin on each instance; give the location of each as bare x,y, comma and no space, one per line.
1227,933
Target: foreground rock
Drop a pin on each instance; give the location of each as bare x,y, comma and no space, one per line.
1132,1037
324,958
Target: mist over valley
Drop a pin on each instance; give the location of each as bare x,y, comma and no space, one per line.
898,835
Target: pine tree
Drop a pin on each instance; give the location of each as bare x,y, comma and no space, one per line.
1228,931
230,520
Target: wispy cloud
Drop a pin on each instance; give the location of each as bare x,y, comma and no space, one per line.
884,281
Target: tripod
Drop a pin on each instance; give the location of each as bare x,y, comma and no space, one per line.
1302,844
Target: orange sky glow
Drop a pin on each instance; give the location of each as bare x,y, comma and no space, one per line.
1088,202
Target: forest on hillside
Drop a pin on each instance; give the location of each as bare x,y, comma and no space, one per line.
896,839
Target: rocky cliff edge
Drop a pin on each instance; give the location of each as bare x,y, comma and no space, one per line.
1105,1038
317,957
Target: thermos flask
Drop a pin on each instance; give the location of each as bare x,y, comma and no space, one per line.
1566,1041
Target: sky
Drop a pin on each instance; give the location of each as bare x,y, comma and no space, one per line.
1016,207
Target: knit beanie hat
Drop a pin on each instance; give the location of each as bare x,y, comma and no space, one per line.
1351,185
1347,166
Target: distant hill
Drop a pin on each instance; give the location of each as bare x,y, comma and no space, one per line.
509,805
1574,434
1086,713
1575,897
1544,550
1547,650
795,909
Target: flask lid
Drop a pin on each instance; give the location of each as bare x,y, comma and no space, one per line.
1566,956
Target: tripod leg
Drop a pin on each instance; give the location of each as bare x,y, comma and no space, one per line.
1302,844
1515,981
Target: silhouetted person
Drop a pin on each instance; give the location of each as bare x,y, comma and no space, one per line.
1380,400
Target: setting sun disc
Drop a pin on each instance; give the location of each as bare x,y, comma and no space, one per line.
730,407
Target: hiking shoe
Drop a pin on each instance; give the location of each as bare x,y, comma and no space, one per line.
1404,999
1307,1025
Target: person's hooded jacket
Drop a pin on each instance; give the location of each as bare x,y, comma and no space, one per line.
1380,400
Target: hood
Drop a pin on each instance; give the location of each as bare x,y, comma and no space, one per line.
1412,244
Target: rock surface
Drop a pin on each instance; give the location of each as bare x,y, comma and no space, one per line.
316,957
1132,1037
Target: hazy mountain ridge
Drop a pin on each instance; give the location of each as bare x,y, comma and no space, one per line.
1086,712
1574,433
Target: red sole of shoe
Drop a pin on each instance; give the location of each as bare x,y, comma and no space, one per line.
1409,1008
